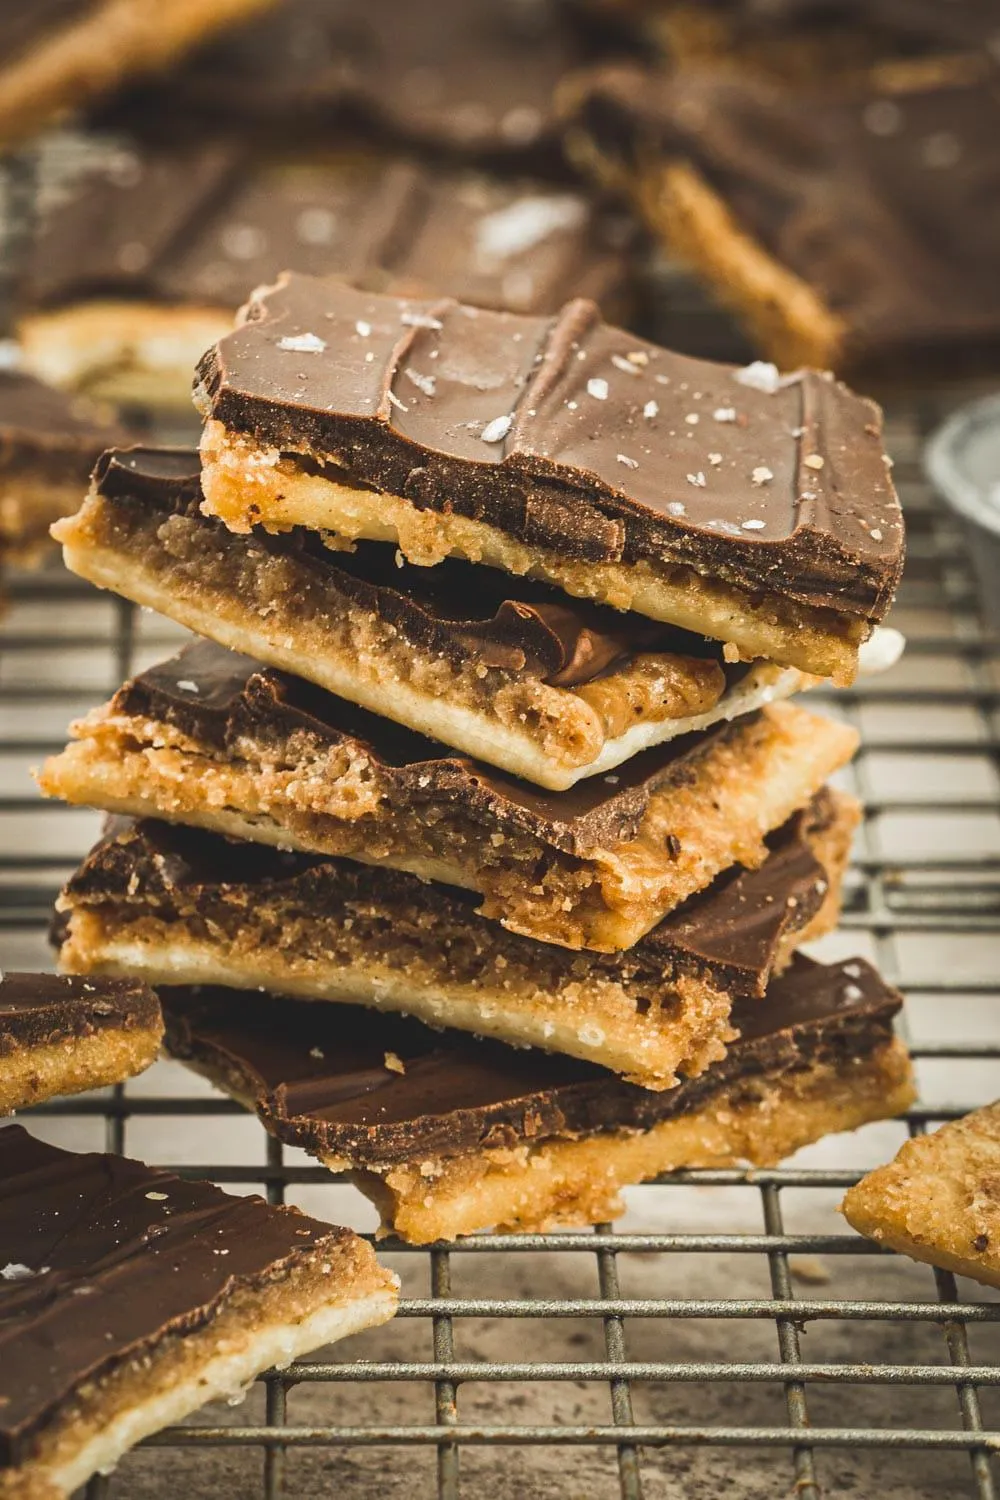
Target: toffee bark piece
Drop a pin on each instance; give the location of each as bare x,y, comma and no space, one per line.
185,907
188,230
732,503
448,1135
57,55
550,688
60,1035
847,228
939,1199
48,445
594,867
210,739
472,78
130,1297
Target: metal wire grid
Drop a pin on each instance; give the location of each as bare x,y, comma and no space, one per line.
954,897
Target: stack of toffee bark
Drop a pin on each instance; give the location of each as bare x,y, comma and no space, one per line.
488,740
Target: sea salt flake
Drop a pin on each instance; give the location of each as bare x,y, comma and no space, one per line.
814,461
419,320
753,525
497,430
651,410
875,534
715,458
692,419
724,414
761,475
630,463
425,383
303,343
698,480
597,388
317,1052
362,328
853,992
759,376
15,1271
676,508
157,1197
621,363
187,686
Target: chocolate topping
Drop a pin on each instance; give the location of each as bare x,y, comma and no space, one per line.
732,930
46,432
206,223
475,77
887,203
319,1078
105,1258
39,1010
457,608
572,435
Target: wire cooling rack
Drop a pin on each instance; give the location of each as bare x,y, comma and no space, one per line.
730,1335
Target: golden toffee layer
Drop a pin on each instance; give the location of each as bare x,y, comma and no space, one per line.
180,906
210,739
449,1136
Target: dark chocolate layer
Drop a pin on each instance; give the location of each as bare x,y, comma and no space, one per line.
104,1258
572,435
885,202
46,433
730,932
319,1078
474,77
912,25
206,222
38,1010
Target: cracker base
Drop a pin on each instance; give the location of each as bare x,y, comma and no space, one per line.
75,1065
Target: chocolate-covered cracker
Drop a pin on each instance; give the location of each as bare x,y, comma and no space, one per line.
145,252
211,739
746,507
130,1297
62,1035
549,688
848,228
179,905
49,443
56,55
468,77
450,1135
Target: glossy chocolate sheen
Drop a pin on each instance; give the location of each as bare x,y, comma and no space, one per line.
472,77
103,1258
459,608
204,223
38,1010
43,430
886,202
571,435
731,930
318,1075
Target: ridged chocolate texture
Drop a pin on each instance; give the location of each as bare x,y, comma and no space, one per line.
41,1009
45,432
731,931
470,77
205,222
886,202
319,1078
602,453
119,1256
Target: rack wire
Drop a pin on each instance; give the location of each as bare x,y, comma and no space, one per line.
731,1332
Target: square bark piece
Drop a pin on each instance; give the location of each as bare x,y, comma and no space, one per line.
129,1298
449,1136
939,1199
